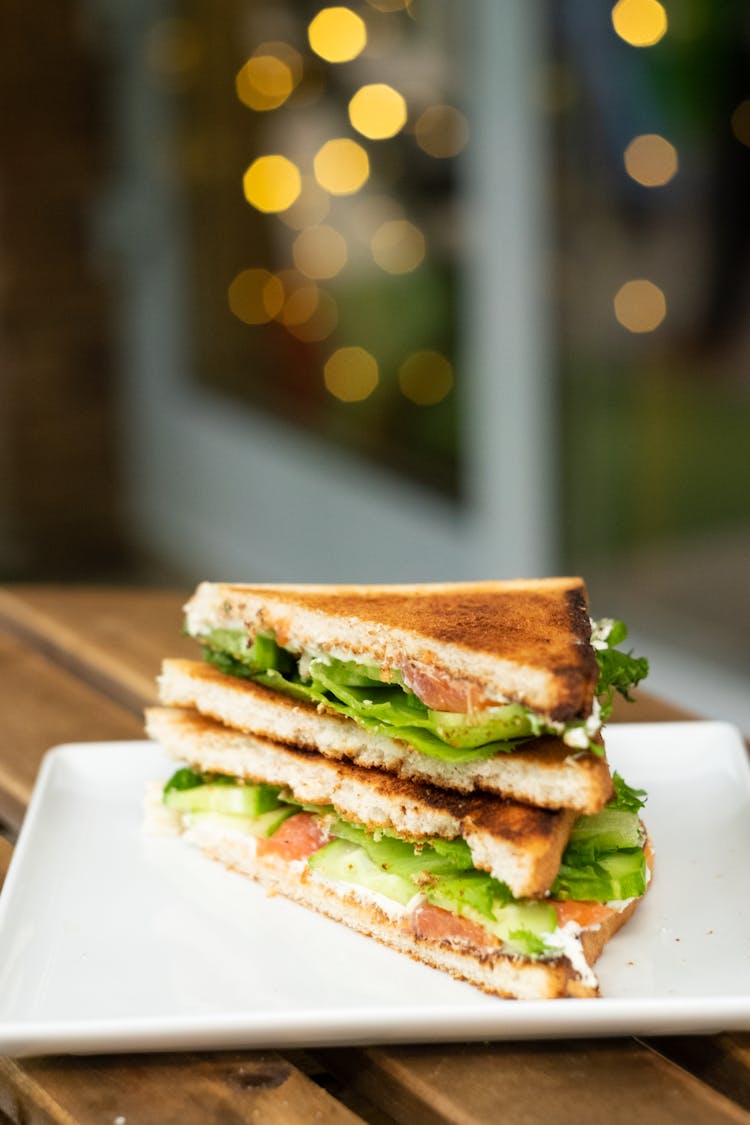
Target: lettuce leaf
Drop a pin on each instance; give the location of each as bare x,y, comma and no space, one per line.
382,708
357,692
626,798
619,672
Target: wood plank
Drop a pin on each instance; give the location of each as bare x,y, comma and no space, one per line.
721,1060
43,705
647,708
174,1089
115,640
6,851
617,1081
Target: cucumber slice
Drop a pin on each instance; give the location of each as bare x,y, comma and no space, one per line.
627,873
509,918
348,863
264,825
243,800
607,831
504,723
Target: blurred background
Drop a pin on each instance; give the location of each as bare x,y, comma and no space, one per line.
402,290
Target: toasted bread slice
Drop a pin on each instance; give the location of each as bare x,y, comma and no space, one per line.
543,772
487,967
459,646
520,845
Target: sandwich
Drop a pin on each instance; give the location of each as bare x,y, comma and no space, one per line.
496,686
315,793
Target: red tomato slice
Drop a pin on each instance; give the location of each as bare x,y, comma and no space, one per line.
582,913
432,922
297,838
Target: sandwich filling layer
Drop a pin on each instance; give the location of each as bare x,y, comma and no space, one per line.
417,710
430,887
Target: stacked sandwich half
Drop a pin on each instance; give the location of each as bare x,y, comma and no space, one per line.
422,763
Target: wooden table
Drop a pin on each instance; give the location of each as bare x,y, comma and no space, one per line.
79,664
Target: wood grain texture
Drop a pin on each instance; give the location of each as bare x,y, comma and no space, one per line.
233,1088
615,1081
112,639
6,851
721,1060
43,705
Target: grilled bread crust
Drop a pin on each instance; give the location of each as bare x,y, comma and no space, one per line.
520,641
518,844
543,772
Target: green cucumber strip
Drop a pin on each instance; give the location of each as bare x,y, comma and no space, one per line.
608,831
264,825
349,863
245,800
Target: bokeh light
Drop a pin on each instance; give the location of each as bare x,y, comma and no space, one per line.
651,160
310,207
256,296
272,183
300,305
640,306
425,377
442,131
337,34
371,211
320,252
341,166
398,246
377,111
641,23
321,322
269,76
351,374
741,122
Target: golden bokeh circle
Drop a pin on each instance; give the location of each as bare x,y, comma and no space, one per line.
271,183
300,305
264,82
442,131
351,374
741,122
321,322
640,306
641,23
341,166
651,160
310,207
377,111
255,296
337,34
320,252
398,246
425,377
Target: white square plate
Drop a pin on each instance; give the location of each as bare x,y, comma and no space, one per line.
112,940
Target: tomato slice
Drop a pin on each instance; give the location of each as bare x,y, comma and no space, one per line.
440,692
584,914
427,921
297,838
